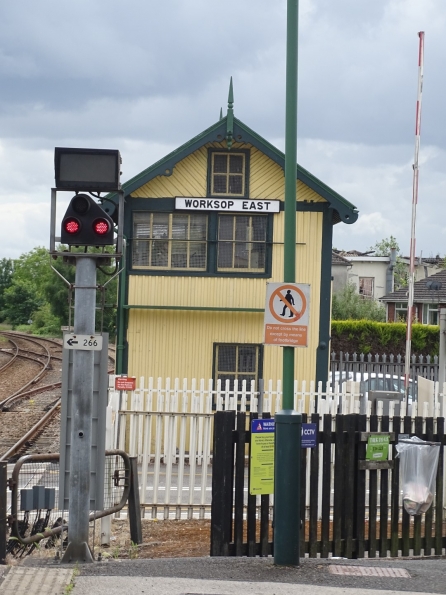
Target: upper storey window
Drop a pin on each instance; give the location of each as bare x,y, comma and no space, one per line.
170,241
228,173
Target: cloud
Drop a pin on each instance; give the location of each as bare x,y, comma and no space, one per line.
146,78
378,180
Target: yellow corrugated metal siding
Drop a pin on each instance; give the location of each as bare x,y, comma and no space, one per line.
190,174
179,343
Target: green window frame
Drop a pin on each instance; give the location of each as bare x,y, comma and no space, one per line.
203,243
237,361
228,173
242,241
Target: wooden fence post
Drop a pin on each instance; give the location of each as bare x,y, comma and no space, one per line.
222,483
134,503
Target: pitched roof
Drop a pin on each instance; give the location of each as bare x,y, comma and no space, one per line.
344,210
337,259
430,289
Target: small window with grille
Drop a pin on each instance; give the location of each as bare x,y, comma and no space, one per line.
237,362
241,242
170,241
228,172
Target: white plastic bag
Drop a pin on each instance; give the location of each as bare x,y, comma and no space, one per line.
418,470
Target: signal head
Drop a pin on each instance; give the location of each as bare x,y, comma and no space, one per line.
86,223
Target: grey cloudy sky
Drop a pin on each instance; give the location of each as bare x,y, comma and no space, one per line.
144,77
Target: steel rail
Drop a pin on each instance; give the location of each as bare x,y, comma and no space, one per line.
31,433
14,356
36,378
26,336
29,393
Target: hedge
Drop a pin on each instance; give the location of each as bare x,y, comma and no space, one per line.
365,336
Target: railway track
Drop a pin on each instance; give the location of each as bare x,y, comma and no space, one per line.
30,391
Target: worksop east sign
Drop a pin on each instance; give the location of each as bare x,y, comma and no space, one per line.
227,204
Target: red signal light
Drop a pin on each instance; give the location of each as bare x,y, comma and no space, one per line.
71,225
101,227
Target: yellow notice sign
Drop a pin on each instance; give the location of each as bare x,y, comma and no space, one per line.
261,470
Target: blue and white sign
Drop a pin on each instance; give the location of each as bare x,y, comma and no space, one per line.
260,426
309,435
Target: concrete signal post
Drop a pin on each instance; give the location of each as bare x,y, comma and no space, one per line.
85,224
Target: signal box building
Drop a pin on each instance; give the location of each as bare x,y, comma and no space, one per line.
204,228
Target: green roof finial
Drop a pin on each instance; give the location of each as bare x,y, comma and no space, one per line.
221,113
230,117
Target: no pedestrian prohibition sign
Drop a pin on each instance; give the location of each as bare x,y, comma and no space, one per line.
287,313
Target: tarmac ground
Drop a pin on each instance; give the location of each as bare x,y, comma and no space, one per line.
227,576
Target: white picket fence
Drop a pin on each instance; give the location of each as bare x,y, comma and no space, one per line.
168,426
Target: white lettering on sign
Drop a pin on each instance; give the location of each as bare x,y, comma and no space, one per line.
308,432
227,204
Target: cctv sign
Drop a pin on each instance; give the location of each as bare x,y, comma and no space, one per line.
309,436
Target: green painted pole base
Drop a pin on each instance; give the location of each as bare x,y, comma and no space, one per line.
287,487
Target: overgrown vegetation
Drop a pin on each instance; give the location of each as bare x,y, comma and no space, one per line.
367,336
348,305
35,298
400,272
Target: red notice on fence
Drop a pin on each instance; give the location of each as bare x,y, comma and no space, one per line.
125,383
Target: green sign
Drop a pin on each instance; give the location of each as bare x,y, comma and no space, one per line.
377,447
261,471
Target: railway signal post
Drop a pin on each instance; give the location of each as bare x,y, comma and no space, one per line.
86,224
80,452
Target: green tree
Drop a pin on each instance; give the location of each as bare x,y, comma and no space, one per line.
400,272
21,301
34,267
348,305
6,271
45,295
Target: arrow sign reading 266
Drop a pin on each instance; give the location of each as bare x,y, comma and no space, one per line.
287,314
84,342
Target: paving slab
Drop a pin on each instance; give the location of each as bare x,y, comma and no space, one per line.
22,580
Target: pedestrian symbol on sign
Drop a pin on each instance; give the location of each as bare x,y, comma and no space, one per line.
290,300
287,314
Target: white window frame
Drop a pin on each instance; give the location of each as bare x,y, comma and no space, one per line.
430,310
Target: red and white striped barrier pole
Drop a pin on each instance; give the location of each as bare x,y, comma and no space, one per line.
410,308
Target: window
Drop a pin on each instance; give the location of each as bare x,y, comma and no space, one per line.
209,243
366,287
430,313
237,362
241,242
228,172
170,241
400,312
